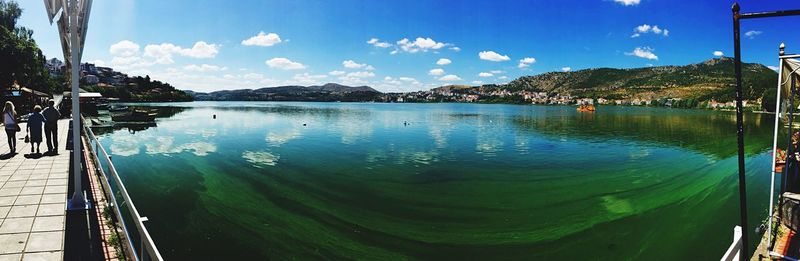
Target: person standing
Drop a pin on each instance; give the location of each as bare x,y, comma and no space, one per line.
35,122
51,116
11,125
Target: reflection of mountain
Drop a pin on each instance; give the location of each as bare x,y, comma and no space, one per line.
681,128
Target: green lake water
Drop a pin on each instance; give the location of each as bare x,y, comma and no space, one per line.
305,181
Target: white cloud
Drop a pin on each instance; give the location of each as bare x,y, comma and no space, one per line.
377,43
646,28
362,74
643,52
284,64
436,71
124,48
774,68
752,34
263,39
455,49
477,82
566,69
526,62
201,50
497,71
204,68
336,73
444,61
407,79
450,78
354,65
493,56
502,77
128,62
420,44
308,79
163,52
628,2
485,74
718,53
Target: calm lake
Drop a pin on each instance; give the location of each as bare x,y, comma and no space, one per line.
268,180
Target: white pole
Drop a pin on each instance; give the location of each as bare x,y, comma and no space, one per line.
774,151
78,202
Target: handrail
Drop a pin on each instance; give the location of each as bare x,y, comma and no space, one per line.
736,246
147,243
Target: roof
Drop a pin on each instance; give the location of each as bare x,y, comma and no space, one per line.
35,92
85,95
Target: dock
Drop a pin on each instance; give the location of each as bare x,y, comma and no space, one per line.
33,196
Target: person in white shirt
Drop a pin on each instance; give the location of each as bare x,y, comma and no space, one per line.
11,125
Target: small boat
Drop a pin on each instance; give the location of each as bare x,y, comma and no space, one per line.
586,108
135,116
118,108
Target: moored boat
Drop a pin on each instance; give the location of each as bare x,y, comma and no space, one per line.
586,108
134,116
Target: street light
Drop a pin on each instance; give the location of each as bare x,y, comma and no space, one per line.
72,25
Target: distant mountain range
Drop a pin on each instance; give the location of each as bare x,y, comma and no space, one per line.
327,92
709,80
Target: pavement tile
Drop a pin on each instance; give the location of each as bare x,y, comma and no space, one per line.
22,211
4,212
28,200
53,223
45,241
7,201
51,210
16,225
13,243
38,176
43,256
31,191
53,198
56,182
9,191
14,184
55,190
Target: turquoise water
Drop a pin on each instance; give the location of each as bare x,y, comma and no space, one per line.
439,181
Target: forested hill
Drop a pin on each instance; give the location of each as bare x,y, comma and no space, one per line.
711,79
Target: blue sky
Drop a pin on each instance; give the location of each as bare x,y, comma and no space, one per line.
215,45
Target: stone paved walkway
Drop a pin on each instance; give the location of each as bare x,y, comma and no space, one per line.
33,196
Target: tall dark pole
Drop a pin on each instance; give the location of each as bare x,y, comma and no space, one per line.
745,254
789,146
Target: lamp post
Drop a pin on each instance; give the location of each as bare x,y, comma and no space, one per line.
72,26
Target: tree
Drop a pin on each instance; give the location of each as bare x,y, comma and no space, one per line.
23,61
768,99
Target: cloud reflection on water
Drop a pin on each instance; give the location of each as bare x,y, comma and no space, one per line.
259,159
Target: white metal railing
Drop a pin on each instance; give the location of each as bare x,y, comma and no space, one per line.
736,246
147,249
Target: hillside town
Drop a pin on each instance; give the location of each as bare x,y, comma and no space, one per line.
90,74
492,94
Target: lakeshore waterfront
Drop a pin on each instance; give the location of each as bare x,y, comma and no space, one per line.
440,181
